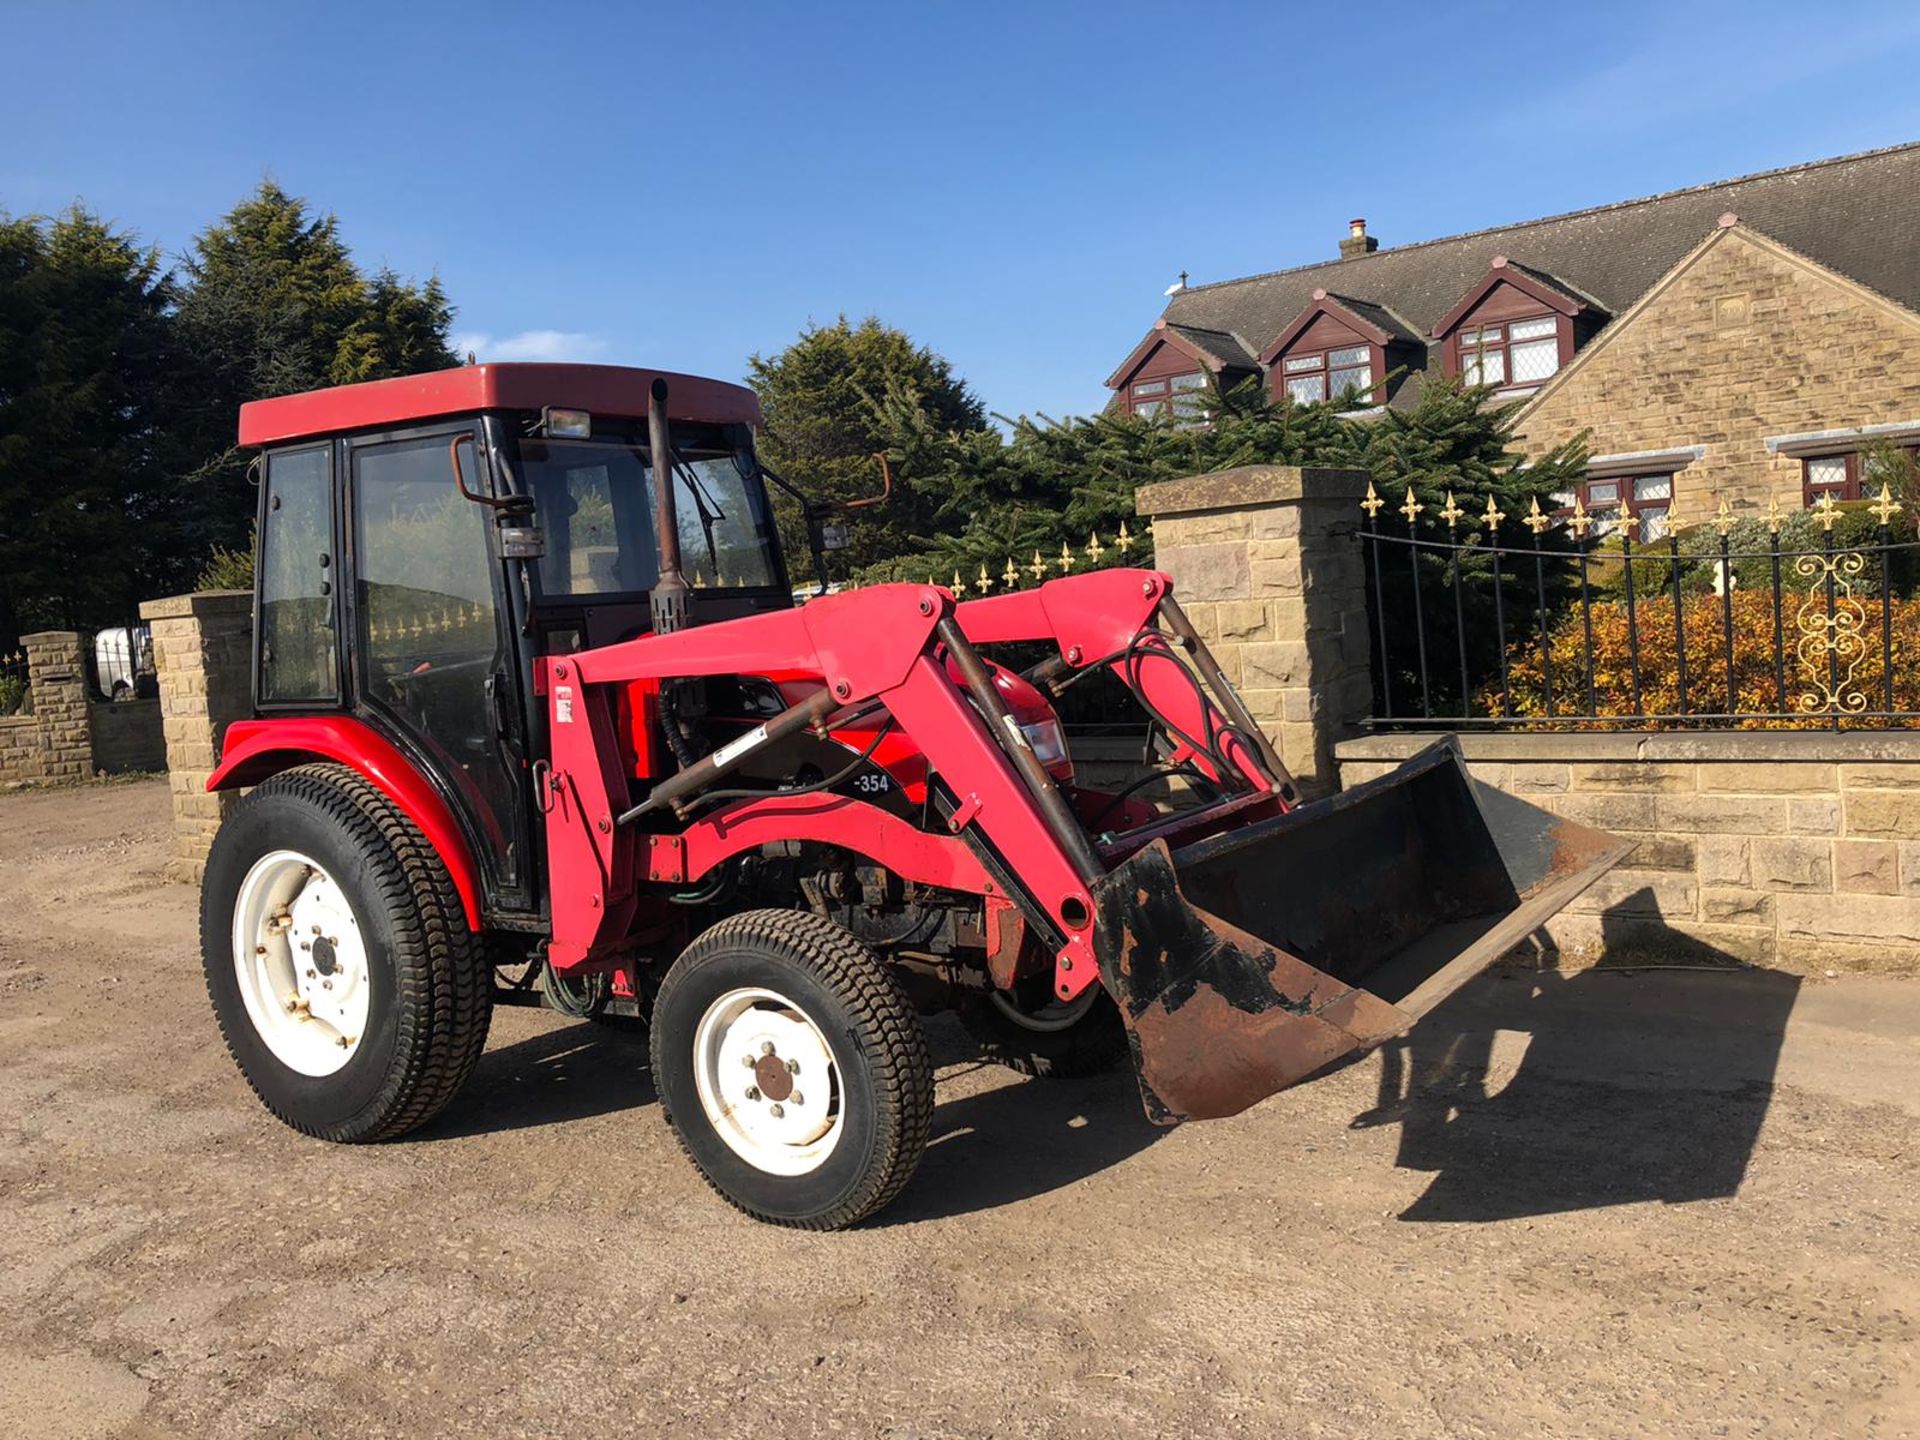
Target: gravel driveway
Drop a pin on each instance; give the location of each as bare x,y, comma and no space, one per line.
1592,1205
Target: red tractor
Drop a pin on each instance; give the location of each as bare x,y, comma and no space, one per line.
537,714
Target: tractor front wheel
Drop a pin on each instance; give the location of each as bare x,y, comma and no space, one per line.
792,1068
349,988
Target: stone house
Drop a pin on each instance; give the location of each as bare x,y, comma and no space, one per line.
1740,340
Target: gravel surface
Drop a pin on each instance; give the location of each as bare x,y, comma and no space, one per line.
1592,1205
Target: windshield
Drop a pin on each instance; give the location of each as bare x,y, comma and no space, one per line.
594,504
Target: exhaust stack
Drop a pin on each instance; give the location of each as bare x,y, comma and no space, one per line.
670,590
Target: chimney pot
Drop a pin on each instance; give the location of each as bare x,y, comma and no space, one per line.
1358,241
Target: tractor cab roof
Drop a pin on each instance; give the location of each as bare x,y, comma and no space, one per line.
615,390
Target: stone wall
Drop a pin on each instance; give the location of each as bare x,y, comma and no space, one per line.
202,647
1745,340
1265,562
127,736
68,735
19,749
1797,850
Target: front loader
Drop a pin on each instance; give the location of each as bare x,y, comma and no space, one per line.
537,715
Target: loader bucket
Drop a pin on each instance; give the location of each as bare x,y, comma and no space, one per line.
1246,962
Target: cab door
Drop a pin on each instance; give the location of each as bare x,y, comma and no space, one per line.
435,663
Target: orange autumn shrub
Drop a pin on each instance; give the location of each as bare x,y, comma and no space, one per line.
1803,630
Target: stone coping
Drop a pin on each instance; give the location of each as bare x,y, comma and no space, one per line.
1810,746
201,602
1249,485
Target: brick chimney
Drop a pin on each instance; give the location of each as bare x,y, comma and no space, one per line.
1358,242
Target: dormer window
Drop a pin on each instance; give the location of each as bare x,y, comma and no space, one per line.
1312,377
1342,349
1181,396
1514,330
1170,373
1521,352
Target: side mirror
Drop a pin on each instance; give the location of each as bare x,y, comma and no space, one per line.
833,535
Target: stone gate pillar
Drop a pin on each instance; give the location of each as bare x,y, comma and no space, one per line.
202,649
1266,561
57,680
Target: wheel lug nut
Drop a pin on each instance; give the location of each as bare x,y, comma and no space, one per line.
766,1047
753,1092
310,974
797,1098
793,1067
747,1060
776,1111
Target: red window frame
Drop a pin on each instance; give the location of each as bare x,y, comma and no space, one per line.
1163,396
1502,343
1318,365
1844,489
1602,495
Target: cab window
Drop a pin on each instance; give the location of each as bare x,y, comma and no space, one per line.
297,656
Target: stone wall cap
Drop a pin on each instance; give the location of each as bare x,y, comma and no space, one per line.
1249,485
201,602
1649,746
46,639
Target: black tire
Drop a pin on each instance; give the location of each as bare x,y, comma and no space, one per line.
879,1049
430,985
1093,1044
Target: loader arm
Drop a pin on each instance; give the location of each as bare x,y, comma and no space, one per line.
876,644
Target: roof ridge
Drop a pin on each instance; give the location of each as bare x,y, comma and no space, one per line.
1511,226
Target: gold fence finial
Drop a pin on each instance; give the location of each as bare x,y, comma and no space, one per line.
1372,503
1452,514
1826,510
1582,521
1773,514
1011,574
1123,539
1629,521
1493,514
1039,566
959,585
1537,522
1886,507
1723,518
1093,547
1066,558
985,583
1412,508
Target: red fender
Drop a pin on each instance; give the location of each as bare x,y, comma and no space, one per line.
256,749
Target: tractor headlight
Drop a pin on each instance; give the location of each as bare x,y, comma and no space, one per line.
566,424
1048,740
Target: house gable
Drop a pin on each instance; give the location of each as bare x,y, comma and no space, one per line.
1743,341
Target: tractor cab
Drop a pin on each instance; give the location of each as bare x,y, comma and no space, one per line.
423,541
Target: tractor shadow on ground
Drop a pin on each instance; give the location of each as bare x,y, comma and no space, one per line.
574,1071
1017,1139
1631,1085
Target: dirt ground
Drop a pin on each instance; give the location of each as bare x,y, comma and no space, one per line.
1588,1205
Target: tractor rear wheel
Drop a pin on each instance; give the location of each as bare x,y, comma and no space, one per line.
1027,1030
793,1070
348,986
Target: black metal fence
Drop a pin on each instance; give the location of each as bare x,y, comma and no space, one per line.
13,683
1567,619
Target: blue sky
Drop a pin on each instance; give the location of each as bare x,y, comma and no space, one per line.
1014,184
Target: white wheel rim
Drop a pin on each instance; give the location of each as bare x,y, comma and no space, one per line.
301,962
768,1081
